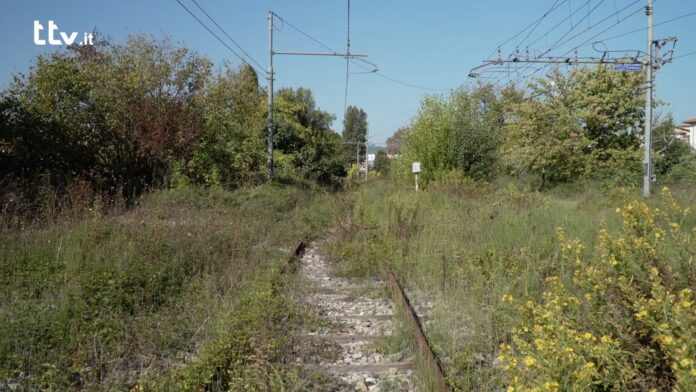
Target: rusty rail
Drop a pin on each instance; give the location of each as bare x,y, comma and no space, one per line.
415,327
293,260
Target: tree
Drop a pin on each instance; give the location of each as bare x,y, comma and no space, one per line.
382,162
354,131
456,133
231,149
303,132
668,150
580,124
395,141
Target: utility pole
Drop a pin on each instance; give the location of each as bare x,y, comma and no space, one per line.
270,95
652,61
647,138
367,162
271,75
357,157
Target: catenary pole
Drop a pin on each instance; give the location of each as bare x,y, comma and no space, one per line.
647,139
270,95
271,76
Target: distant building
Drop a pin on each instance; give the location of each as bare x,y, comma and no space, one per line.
687,132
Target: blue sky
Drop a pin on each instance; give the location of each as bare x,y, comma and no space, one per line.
431,44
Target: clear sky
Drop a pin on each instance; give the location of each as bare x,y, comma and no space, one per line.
431,44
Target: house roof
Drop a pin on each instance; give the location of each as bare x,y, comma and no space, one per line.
690,121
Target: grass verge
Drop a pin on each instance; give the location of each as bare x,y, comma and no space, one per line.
517,277
181,292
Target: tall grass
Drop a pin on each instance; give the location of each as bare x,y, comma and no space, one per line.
105,302
468,247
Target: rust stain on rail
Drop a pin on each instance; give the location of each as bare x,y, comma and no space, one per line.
292,263
416,329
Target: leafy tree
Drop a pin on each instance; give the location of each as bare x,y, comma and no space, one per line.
231,149
130,107
382,162
458,133
668,150
546,138
395,141
355,131
304,133
147,113
583,123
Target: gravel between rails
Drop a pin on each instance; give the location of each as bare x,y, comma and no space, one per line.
352,318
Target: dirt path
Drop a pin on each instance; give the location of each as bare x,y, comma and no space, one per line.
354,320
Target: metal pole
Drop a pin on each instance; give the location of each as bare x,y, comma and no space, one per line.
270,95
345,96
357,159
647,139
367,162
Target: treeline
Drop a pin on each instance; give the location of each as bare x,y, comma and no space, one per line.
583,124
123,118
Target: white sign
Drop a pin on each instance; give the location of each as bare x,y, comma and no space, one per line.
415,167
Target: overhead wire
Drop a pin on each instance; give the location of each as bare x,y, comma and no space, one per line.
553,7
589,28
585,43
541,36
219,39
684,55
571,13
555,45
591,41
521,31
645,28
227,35
360,61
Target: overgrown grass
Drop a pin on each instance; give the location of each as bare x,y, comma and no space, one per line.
181,292
471,246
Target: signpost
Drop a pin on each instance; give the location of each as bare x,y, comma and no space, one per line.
628,67
416,169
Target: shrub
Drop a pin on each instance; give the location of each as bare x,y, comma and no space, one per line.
624,320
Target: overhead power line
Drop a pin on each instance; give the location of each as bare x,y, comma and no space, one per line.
585,43
554,27
684,55
592,41
541,19
645,28
227,35
361,62
219,39
561,42
538,20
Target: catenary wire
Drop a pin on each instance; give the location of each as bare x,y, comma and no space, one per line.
358,61
227,35
218,37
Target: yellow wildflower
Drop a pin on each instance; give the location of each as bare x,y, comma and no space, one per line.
529,361
666,340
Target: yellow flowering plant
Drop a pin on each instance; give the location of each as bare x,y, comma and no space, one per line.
623,320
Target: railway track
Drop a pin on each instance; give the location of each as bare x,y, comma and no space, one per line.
354,317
